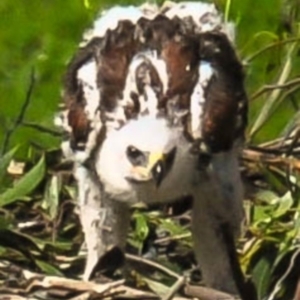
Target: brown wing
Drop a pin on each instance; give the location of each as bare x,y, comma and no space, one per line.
225,108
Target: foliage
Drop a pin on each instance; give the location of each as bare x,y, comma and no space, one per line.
38,229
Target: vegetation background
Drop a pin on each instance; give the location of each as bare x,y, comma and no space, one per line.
38,228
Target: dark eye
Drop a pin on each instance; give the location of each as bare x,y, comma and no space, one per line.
135,156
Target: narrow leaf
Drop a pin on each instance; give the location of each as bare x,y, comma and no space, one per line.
51,200
47,268
285,204
25,185
261,276
271,101
157,287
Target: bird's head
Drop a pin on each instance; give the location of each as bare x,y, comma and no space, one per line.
143,150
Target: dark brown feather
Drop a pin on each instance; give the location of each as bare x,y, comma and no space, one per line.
225,107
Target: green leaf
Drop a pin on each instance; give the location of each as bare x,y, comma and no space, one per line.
87,4
71,191
142,229
267,196
261,214
269,104
285,204
5,222
172,227
250,249
47,268
25,185
157,287
261,276
51,200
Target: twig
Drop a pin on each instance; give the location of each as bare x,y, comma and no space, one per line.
57,221
270,151
152,264
21,115
83,296
297,292
12,297
283,277
270,87
269,47
273,143
252,155
72,284
175,287
205,293
172,238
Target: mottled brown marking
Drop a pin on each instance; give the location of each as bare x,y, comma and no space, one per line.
155,81
113,62
136,103
73,94
182,61
83,56
147,74
152,34
79,123
140,77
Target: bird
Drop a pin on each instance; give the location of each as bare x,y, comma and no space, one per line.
155,110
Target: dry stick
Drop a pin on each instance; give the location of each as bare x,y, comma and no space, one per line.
12,297
172,238
152,264
284,276
208,294
59,218
273,143
71,284
269,47
268,87
84,296
271,151
21,115
297,292
196,291
255,156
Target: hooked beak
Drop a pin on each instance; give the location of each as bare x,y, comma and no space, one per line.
157,167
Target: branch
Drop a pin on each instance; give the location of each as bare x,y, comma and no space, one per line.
21,115
205,293
152,264
269,47
297,292
284,276
270,87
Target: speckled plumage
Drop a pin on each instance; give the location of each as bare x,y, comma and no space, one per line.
161,80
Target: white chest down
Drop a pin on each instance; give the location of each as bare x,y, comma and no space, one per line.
117,182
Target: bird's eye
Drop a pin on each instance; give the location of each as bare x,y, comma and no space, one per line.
133,152
135,156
